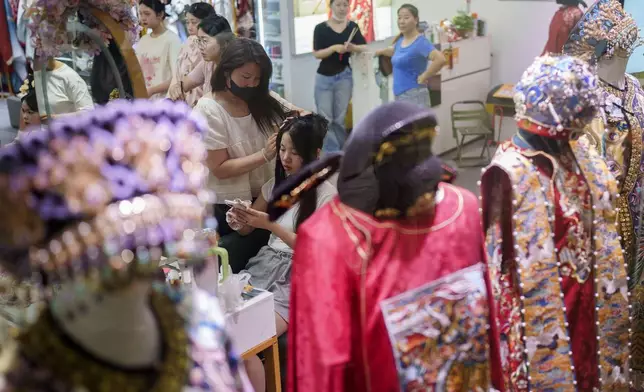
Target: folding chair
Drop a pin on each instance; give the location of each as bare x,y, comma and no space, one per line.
470,119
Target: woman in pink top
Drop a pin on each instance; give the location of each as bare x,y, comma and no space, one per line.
190,54
213,35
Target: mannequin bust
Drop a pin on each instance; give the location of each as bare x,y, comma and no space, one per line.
113,199
545,205
393,214
613,70
120,329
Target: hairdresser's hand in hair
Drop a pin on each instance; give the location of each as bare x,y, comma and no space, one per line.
270,150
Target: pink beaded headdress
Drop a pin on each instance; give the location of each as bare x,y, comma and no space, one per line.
103,194
603,29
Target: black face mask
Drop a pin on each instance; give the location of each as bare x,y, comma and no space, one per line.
243,93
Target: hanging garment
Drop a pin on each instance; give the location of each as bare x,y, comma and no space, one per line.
561,25
347,261
556,268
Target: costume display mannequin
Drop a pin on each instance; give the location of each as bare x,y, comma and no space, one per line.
555,260
563,21
89,206
400,243
607,35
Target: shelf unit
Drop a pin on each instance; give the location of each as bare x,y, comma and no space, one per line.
273,35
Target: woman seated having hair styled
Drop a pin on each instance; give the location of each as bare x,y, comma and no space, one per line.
300,140
242,117
29,115
190,54
213,36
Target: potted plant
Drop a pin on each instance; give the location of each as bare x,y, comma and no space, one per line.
463,23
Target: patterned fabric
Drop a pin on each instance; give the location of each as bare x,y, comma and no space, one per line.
189,58
542,278
618,136
212,364
562,23
555,95
439,333
604,28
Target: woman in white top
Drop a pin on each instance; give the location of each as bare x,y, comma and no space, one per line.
300,140
67,92
158,51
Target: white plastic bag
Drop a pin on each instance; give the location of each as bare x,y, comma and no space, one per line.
230,291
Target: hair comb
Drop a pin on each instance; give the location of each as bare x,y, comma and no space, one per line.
308,178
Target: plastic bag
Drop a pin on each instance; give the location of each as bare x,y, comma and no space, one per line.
230,218
230,291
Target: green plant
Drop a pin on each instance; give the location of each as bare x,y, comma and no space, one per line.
463,22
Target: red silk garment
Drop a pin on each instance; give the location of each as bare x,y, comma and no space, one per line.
572,242
564,20
338,341
361,12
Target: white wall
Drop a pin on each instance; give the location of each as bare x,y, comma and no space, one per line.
518,31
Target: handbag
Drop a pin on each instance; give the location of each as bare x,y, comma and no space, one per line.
385,66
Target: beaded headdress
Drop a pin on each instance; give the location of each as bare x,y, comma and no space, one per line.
556,94
103,194
603,29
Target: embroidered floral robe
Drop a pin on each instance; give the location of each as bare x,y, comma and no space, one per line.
564,20
347,265
189,58
563,323
618,136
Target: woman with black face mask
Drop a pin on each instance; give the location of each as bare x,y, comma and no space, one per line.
243,117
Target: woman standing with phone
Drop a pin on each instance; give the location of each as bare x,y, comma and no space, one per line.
414,59
333,43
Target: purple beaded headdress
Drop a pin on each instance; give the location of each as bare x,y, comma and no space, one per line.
104,193
603,29
555,95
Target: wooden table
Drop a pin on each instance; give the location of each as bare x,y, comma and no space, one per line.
271,363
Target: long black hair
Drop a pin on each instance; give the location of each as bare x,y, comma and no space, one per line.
30,98
265,109
200,10
102,78
156,6
307,134
215,24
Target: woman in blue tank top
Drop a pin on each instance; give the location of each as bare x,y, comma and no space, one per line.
413,57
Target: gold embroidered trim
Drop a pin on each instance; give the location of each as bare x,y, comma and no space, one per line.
625,220
389,148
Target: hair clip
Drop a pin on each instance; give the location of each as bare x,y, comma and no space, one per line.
390,147
308,178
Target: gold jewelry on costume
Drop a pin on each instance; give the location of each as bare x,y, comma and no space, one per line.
115,94
287,201
46,344
389,148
